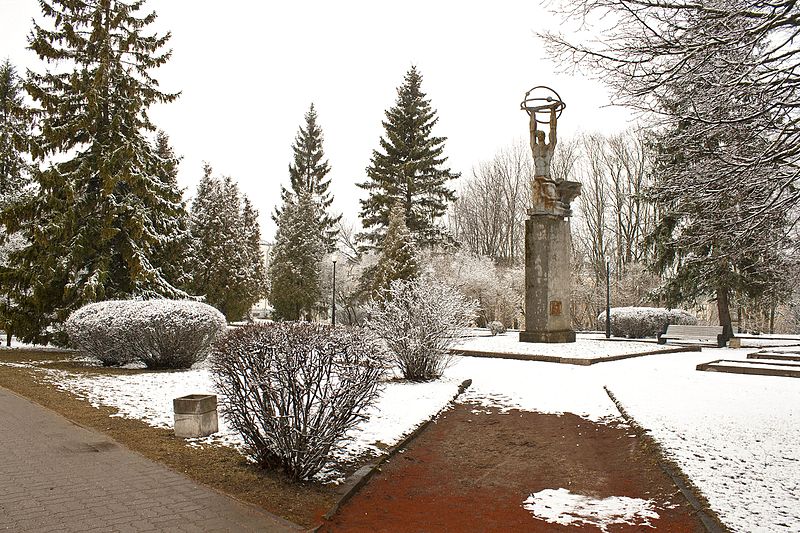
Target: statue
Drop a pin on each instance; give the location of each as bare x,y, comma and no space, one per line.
548,236
543,152
548,195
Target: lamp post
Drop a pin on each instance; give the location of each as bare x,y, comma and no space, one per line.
334,257
608,297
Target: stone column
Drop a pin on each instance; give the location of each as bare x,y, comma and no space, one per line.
548,244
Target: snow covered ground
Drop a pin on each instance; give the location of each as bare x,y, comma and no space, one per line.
148,396
586,346
735,436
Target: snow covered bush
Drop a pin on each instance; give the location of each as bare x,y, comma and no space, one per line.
292,389
496,327
419,320
159,333
639,322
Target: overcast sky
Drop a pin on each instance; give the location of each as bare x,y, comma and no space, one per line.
248,71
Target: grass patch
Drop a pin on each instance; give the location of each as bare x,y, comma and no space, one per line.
219,467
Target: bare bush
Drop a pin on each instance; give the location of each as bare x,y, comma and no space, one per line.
640,322
159,333
293,389
419,320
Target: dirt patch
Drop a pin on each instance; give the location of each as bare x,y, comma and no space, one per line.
473,469
216,466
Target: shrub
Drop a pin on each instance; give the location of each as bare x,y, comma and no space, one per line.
496,327
639,322
419,320
159,333
293,389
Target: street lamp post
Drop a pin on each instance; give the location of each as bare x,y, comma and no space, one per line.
608,297
333,299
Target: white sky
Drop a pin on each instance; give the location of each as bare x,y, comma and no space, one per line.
249,70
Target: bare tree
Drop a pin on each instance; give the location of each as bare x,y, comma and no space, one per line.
665,58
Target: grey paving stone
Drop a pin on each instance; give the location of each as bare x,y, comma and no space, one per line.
56,476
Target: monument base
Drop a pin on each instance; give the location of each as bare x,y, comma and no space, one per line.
564,335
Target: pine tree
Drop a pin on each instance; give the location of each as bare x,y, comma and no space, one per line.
700,245
294,270
256,287
398,257
170,253
225,251
15,132
409,168
308,172
93,220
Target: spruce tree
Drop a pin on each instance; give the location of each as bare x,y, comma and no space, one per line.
409,167
15,132
256,286
170,253
93,221
308,172
703,244
225,240
294,270
398,257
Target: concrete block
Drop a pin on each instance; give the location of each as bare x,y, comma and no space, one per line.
195,415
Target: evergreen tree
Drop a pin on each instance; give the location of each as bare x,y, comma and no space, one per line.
398,257
294,270
15,132
257,274
225,251
408,168
93,222
703,244
171,253
308,172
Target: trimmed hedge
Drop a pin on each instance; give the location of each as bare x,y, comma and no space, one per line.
159,333
640,322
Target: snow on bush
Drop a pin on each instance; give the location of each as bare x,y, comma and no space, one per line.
419,320
159,333
292,389
496,327
639,322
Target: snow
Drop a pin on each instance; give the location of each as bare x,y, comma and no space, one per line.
735,436
560,506
755,363
148,396
586,346
19,345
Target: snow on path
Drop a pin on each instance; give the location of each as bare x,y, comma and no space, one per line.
560,506
736,436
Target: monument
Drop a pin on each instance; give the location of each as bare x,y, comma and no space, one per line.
548,238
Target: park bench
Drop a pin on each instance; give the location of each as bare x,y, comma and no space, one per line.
712,334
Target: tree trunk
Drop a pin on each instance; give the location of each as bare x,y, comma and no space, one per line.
772,318
724,311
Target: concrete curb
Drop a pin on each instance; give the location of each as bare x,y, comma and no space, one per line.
570,360
693,495
353,484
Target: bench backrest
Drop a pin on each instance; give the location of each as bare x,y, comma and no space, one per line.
710,331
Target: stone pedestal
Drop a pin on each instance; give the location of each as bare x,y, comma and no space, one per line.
195,415
548,244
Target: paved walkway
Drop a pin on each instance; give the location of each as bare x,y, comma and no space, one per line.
56,476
